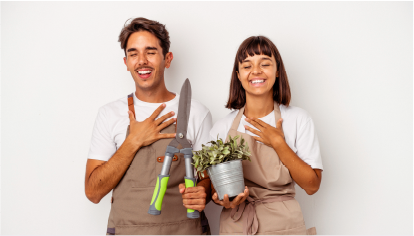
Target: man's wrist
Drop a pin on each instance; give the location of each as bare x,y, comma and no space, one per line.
133,143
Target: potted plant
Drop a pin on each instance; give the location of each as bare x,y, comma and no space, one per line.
223,162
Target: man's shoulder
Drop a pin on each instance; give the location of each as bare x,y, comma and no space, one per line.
114,107
198,108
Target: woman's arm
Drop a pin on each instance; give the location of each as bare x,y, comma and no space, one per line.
307,178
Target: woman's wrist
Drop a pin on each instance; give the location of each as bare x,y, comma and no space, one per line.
278,142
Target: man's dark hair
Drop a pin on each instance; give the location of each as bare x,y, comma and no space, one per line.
143,24
258,45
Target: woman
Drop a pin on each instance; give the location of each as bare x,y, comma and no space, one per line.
284,151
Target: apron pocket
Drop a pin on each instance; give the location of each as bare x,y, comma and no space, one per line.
190,226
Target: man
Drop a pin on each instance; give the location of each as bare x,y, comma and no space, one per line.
130,137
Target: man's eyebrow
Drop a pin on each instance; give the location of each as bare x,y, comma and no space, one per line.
132,49
151,48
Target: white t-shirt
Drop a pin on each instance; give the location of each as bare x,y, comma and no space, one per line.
112,122
297,126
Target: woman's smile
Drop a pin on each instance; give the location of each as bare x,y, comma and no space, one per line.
257,82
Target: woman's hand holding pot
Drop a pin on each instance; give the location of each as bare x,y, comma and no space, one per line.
231,204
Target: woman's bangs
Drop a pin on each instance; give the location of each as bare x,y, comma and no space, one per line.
256,46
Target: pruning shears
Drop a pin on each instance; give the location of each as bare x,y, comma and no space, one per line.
180,138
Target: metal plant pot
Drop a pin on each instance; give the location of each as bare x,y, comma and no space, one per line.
227,178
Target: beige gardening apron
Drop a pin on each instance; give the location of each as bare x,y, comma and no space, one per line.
271,207
132,196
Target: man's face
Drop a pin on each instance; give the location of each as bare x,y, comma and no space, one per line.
145,60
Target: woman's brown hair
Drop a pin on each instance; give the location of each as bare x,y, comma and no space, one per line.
140,24
258,45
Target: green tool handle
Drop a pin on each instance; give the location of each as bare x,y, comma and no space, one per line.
158,196
191,182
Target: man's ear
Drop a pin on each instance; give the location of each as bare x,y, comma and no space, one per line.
125,63
168,58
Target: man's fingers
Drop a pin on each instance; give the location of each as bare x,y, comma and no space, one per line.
131,116
181,187
164,117
157,111
194,195
199,201
160,136
195,207
165,124
195,189
253,130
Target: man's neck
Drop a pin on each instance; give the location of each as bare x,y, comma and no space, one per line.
258,106
155,95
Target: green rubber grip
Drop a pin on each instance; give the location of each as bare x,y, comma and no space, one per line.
158,195
191,182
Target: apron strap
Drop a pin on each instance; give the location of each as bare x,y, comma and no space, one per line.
131,103
276,109
236,121
251,224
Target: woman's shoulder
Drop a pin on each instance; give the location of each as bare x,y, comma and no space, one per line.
223,125
294,113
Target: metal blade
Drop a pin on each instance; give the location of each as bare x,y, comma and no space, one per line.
183,115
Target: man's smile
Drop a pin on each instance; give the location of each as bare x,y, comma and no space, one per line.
144,73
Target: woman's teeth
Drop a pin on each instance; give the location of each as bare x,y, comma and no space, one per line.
257,81
144,72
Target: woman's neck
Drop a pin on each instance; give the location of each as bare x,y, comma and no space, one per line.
258,106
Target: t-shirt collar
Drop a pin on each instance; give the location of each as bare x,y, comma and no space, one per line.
173,101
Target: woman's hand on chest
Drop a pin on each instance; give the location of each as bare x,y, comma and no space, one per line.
268,134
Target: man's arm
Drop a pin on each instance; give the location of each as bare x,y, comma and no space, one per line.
101,177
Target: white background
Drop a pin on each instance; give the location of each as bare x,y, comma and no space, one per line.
350,65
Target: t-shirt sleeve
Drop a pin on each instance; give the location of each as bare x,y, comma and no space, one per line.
102,145
203,134
307,145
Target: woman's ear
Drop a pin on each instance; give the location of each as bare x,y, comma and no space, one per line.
238,75
277,74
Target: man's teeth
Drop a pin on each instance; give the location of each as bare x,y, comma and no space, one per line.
257,81
144,72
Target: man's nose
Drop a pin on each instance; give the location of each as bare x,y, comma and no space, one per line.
142,59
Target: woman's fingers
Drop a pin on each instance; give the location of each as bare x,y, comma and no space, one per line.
255,124
215,199
246,194
279,124
260,140
260,122
256,132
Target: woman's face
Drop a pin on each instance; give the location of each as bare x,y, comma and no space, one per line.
258,74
